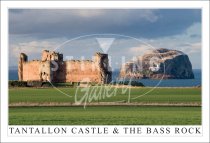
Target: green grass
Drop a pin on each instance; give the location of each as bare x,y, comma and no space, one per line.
160,95
105,115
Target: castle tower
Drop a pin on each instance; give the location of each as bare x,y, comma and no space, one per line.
102,63
23,58
48,60
45,71
51,56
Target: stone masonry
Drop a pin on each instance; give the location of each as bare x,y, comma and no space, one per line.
53,68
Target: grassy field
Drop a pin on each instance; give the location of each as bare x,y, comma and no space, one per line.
105,115
160,95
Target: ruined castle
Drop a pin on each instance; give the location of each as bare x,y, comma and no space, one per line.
53,68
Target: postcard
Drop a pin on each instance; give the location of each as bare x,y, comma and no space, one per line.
79,71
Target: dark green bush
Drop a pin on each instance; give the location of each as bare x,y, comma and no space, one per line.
34,83
132,83
46,84
66,84
15,83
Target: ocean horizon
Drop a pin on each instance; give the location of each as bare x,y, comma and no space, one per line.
13,75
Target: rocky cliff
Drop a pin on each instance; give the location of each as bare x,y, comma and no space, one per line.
159,64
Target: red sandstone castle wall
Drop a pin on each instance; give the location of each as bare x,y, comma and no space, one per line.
31,70
80,70
76,71
68,71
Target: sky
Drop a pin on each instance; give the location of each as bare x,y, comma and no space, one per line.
33,30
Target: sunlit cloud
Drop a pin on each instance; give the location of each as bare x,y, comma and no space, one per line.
155,27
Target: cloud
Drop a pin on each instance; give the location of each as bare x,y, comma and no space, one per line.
33,30
88,13
185,42
194,30
76,22
32,48
191,48
141,49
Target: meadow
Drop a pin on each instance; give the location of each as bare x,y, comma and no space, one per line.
159,95
105,115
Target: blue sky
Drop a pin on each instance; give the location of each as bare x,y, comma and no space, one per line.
33,30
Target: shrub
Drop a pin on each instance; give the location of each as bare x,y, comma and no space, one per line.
34,83
15,83
132,83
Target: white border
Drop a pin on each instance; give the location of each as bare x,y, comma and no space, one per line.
204,5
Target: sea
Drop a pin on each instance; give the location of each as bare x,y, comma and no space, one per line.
13,75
